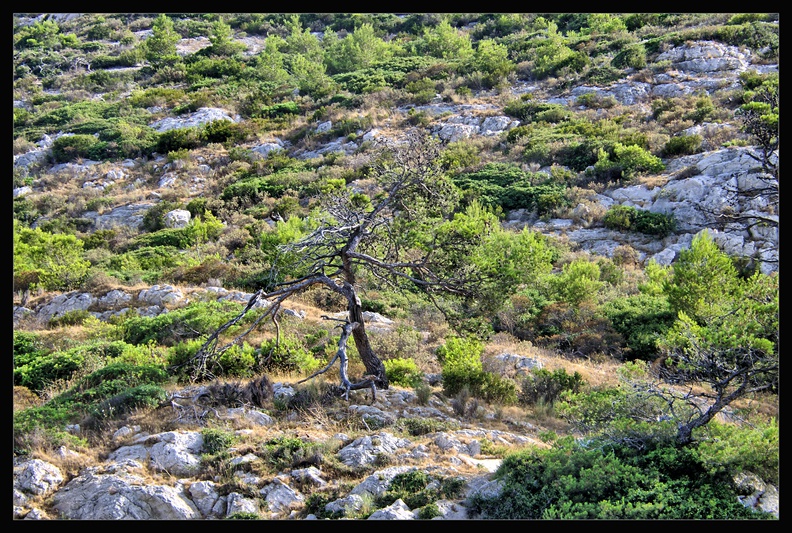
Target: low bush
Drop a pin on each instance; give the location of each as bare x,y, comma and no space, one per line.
682,145
545,386
423,426
186,323
573,481
626,162
641,320
628,218
289,355
403,372
463,371
416,488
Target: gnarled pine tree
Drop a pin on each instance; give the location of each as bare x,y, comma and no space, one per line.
405,235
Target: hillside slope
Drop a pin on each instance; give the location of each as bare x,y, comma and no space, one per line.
161,163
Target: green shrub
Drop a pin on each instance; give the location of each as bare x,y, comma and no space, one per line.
154,218
571,481
27,346
220,131
188,322
744,448
71,147
545,386
423,426
280,110
41,371
496,389
628,161
403,372
416,488
36,427
288,356
140,397
528,110
462,370
632,56
682,145
641,320
75,317
217,440
178,139
243,515
628,218
167,237
239,361
287,452
508,186
429,511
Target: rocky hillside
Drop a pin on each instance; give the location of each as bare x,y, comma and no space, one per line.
163,181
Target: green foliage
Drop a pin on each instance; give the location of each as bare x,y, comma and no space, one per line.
37,426
641,319
735,449
290,355
288,452
71,147
429,511
381,74
141,397
113,390
505,185
629,218
631,56
160,47
703,279
179,139
238,361
459,155
492,59
443,41
71,318
166,237
217,440
460,353
56,258
541,385
579,281
221,131
423,426
417,489
146,263
154,218
155,96
359,49
626,162
195,233
42,34
403,372
529,110
242,515
682,145
463,370
187,322
280,110
39,372
570,481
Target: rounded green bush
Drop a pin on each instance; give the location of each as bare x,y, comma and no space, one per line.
403,372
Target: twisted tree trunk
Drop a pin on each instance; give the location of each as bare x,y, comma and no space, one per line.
372,363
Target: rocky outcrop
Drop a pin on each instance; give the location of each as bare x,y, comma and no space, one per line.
157,477
697,189
202,116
